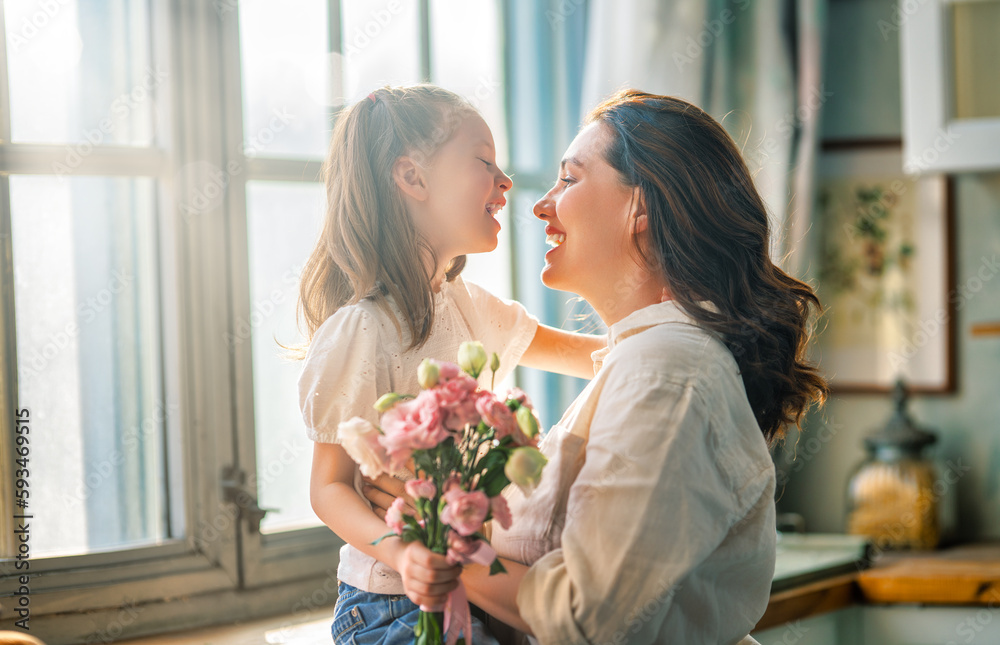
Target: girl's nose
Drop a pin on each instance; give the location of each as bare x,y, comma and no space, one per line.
505,182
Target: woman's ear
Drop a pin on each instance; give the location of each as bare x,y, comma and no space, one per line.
639,220
409,176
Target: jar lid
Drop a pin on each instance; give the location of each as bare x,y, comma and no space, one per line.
901,431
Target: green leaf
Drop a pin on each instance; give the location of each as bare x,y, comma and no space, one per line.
492,459
410,534
387,535
497,567
494,482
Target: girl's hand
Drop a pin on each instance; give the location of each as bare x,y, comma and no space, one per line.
383,491
428,578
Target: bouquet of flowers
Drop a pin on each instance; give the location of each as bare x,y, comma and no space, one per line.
466,445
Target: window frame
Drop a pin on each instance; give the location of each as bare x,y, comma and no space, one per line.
129,592
204,281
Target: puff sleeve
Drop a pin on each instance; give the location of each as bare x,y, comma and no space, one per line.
504,326
342,375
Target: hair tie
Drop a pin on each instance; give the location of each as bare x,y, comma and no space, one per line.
374,99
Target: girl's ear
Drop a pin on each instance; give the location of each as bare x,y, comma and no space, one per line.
409,176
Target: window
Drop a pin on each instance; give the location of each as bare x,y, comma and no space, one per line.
159,191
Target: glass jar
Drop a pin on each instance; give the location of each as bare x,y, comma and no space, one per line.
893,497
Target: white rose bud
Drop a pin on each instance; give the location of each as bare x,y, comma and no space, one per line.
387,401
428,374
524,468
526,421
472,358
360,439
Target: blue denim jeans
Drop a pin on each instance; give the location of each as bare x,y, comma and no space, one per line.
364,618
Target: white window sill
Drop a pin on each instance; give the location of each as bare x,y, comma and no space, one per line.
278,630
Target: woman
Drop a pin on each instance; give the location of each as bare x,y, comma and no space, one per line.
654,521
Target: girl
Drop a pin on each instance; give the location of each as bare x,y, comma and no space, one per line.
412,186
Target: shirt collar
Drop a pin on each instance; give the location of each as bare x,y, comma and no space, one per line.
641,320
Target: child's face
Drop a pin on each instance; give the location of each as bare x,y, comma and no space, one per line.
465,191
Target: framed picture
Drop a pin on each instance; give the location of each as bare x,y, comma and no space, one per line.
885,271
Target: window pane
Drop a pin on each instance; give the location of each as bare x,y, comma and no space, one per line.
283,221
470,61
286,77
381,45
81,72
88,358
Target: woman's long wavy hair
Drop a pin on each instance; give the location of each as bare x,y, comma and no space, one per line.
709,238
369,246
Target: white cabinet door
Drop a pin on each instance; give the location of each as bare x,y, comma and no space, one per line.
951,86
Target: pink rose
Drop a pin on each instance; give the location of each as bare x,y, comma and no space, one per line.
517,394
453,482
446,370
465,512
496,414
501,512
465,413
394,516
463,550
455,390
416,424
458,397
422,488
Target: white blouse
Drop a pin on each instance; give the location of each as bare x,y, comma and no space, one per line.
654,519
357,355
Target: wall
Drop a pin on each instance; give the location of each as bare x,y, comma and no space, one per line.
862,71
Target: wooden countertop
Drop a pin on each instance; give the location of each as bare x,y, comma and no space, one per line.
962,575
966,575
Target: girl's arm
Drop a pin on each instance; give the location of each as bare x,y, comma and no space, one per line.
563,352
428,577
338,505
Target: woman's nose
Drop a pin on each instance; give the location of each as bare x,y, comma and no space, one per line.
544,207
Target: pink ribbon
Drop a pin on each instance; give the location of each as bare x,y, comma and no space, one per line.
458,599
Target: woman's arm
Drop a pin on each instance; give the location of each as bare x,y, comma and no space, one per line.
338,505
428,578
497,594
563,352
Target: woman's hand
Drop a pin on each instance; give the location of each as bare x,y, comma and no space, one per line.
383,491
428,578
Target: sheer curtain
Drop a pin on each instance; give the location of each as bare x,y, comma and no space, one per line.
753,64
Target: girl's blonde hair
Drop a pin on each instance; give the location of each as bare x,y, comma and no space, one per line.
369,247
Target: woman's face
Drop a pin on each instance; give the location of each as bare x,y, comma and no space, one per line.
589,217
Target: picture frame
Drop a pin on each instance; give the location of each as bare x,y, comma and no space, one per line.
885,271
